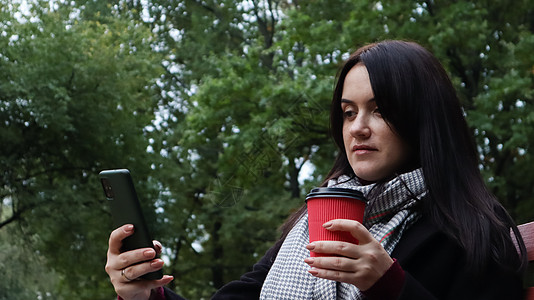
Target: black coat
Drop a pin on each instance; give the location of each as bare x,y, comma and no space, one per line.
434,269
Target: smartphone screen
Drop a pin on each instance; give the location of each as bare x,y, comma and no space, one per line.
126,209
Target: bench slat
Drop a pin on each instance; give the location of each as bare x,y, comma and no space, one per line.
527,233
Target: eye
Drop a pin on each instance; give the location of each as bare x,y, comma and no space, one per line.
377,112
349,114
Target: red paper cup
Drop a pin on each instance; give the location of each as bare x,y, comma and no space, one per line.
325,204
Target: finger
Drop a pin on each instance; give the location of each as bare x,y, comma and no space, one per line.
134,257
157,246
359,279
335,275
332,263
116,237
355,228
334,247
138,270
160,282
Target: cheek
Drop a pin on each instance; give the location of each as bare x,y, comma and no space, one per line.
346,135
398,150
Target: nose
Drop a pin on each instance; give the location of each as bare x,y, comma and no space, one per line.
359,128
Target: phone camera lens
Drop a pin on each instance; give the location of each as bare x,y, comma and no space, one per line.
107,188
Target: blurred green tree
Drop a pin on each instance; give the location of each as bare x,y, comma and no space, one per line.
75,97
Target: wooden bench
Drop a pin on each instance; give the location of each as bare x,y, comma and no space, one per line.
527,233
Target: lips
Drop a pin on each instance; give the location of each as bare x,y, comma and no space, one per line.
363,149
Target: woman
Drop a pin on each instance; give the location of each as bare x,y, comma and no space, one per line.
432,229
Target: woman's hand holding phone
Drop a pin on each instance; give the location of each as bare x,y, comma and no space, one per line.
125,268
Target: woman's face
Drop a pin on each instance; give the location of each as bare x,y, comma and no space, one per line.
373,149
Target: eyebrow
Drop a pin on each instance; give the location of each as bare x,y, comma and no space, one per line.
343,100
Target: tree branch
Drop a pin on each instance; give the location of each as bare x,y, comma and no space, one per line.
15,216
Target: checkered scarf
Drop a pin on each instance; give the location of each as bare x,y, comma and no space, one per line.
388,214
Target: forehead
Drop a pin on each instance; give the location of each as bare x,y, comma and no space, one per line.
357,86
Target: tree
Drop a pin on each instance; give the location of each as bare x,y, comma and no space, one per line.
76,96
20,262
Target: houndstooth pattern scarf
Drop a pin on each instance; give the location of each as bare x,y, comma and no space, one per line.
388,214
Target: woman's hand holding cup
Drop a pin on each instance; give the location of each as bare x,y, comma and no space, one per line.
341,248
361,265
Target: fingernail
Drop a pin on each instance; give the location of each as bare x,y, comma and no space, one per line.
309,260
149,253
327,224
156,263
128,228
310,246
313,271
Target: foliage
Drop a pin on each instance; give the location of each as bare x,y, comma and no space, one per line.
75,98
17,262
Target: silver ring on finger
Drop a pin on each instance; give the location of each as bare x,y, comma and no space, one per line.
124,275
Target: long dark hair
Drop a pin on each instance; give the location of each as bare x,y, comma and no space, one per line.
416,98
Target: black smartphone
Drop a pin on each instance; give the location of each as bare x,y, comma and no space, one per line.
125,209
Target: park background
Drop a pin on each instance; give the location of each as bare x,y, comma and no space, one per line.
220,111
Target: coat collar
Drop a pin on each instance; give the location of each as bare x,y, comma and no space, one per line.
409,244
